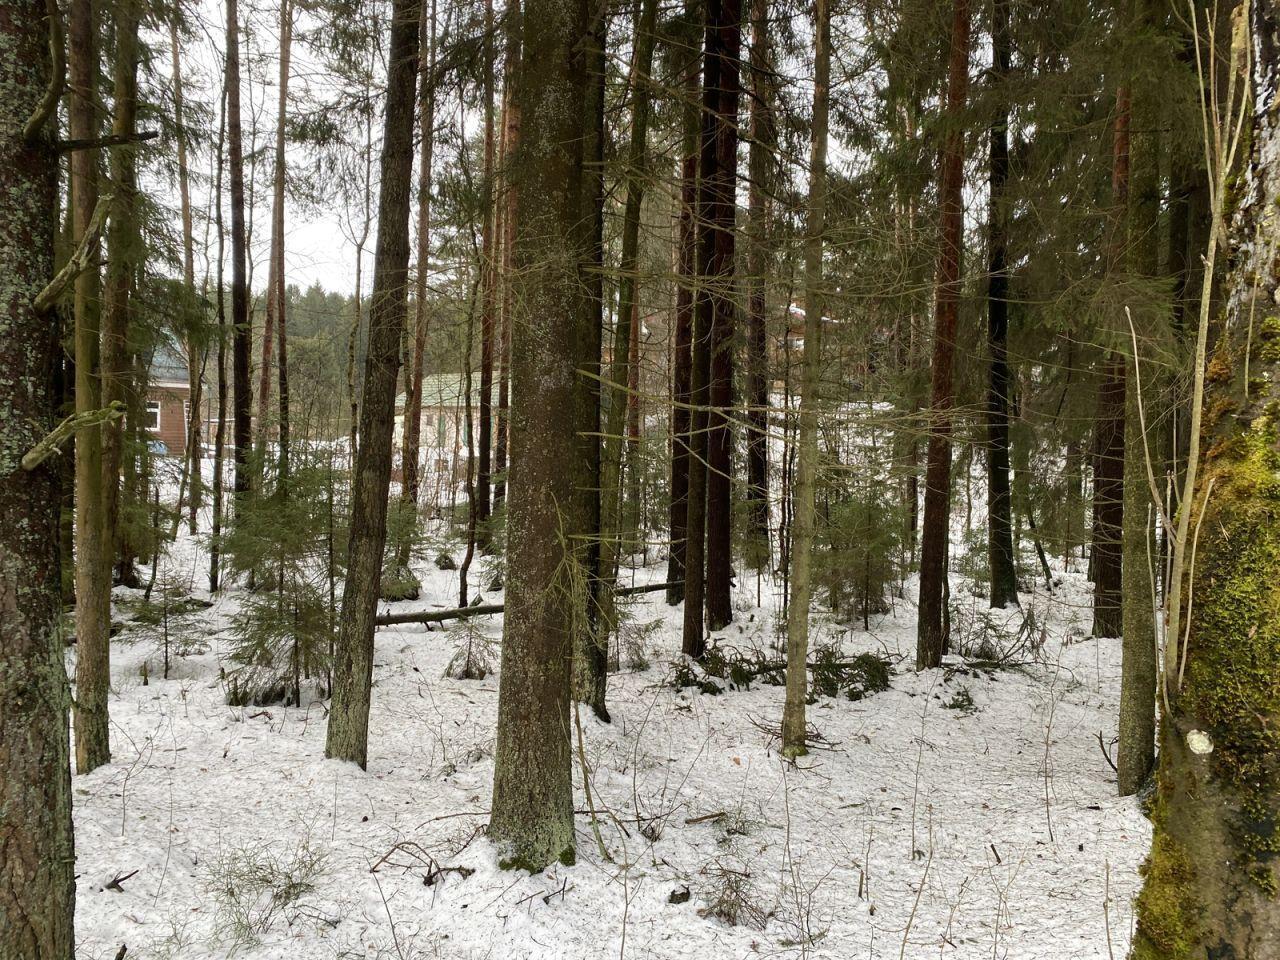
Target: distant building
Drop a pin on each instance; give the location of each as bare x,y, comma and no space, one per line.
168,400
443,441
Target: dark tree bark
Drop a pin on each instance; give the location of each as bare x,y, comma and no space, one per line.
693,640
584,515
682,347
1000,548
37,869
1108,476
724,41
760,166
411,450
931,640
242,415
348,732
93,554
532,810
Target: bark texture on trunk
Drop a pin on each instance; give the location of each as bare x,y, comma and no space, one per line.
532,810
242,403
37,869
1210,887
348,732
931,639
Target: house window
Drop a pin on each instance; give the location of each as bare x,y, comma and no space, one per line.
153,415
442,430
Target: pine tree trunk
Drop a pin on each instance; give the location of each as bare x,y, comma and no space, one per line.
1137,727
277,276
760,166
1108,481
591,640
1000,547
693,640
93,554
931,640
37,876
682,350
242,415
531,822
488,297
348,732
411,452
724,40
793,713
194,364
1210,880
220,430
622,368
510,138
124,254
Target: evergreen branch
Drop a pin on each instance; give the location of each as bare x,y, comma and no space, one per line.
77,263
47,447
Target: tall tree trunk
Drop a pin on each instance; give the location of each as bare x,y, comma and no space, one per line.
624,333
931,639
277,278
1000,547
195,382
93,554
584,515
275,265
124,255
220,431
411,454
760,165
348,732
793,712
1108,480
488,295
242,427
1210,879
510,137
726,41
1136,744
693,640
532,811
37,869
682,348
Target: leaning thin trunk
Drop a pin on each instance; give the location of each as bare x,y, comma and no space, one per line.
348,732
93,553
793,712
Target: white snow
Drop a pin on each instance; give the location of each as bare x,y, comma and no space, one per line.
919,830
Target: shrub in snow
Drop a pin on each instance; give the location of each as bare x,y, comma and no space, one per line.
474,653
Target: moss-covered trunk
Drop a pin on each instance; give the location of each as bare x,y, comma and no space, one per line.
37,884
1211,883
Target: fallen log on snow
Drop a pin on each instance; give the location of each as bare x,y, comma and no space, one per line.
485,609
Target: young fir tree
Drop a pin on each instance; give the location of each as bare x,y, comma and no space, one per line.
37,869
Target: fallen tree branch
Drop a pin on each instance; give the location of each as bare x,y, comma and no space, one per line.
60,434
484,609
112,140
77,262
57,80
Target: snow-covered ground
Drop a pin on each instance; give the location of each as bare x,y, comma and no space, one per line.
963,813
